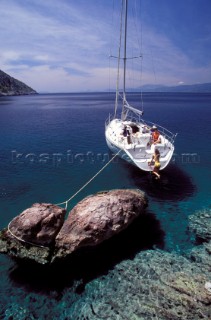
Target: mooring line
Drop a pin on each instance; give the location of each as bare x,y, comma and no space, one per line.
22,240
64,202
75,194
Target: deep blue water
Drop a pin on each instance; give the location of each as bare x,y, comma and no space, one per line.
50,145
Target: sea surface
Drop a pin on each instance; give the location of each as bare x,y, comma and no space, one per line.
52,144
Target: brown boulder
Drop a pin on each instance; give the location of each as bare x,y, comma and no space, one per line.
39,233
39,224
97,218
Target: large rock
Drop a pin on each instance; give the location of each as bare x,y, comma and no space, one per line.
38,224
97,218
31,235
40,234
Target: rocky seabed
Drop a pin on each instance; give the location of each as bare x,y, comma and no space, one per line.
153,285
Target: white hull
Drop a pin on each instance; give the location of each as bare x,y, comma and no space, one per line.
135,148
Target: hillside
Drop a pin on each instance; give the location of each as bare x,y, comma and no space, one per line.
12,87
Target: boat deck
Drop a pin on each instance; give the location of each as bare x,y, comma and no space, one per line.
136,139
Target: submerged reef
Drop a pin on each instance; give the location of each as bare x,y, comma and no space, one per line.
200,224
152,284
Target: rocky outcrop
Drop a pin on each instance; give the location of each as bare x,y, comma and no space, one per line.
39,224
97,218
10,86
31,235
39,234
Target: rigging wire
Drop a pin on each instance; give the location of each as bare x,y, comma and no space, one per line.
118,66
136,22
136,48
110,49
140,44
139,38
153,66
112,23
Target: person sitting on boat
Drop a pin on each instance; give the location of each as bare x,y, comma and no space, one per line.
155,136
145,129
127,131
156,163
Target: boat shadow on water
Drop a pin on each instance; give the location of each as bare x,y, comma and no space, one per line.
89,263
174,184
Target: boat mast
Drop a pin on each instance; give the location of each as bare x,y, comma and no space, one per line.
124,59
119,57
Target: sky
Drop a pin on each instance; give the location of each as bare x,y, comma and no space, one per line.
64,45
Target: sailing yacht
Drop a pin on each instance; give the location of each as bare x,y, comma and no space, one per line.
128,134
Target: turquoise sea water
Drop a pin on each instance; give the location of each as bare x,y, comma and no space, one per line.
50,145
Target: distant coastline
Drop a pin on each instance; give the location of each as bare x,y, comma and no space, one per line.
191,88
151,88
10,86
200,88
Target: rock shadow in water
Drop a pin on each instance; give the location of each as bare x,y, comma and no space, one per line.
89,263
